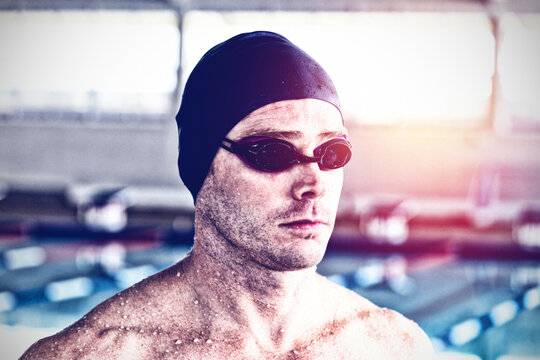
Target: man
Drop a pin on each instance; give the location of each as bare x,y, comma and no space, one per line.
262,146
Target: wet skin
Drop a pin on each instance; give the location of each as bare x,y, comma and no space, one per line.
248,289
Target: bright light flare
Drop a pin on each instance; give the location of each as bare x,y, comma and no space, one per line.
419,68
389,68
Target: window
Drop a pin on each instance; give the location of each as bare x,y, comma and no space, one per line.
88,62
519,73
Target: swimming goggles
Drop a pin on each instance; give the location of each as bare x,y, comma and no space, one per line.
274,155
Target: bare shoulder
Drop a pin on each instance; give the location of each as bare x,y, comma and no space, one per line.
77,342
123,326
96,334
394,335
386,333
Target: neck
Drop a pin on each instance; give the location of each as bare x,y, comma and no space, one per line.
266,304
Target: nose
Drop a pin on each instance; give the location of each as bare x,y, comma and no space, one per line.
308,183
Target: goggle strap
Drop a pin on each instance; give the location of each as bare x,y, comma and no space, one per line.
229,146
302,159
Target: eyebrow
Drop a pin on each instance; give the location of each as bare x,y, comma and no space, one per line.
290,135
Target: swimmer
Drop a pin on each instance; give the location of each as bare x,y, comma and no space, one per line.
262,150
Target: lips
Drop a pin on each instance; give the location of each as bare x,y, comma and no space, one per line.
304,224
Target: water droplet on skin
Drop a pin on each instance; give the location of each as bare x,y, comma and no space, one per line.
121,304
208,341
196,302
196,340
178,274
155,332
141,331
295,352
125,316
178,342
149,303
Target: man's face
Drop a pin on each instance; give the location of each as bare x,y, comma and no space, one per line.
280,220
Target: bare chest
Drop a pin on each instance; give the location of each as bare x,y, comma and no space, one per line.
335,346
220,351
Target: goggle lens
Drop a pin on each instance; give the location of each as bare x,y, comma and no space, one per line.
334,155
275,157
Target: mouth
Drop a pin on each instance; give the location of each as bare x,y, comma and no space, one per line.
304,224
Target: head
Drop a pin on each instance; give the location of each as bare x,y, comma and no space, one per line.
266,88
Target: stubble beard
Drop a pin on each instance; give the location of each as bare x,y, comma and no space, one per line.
253,235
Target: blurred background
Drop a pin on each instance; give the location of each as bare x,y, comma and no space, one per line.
440,213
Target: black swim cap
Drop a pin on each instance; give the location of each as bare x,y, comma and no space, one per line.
233,79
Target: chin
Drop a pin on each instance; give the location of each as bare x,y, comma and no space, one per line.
296,257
